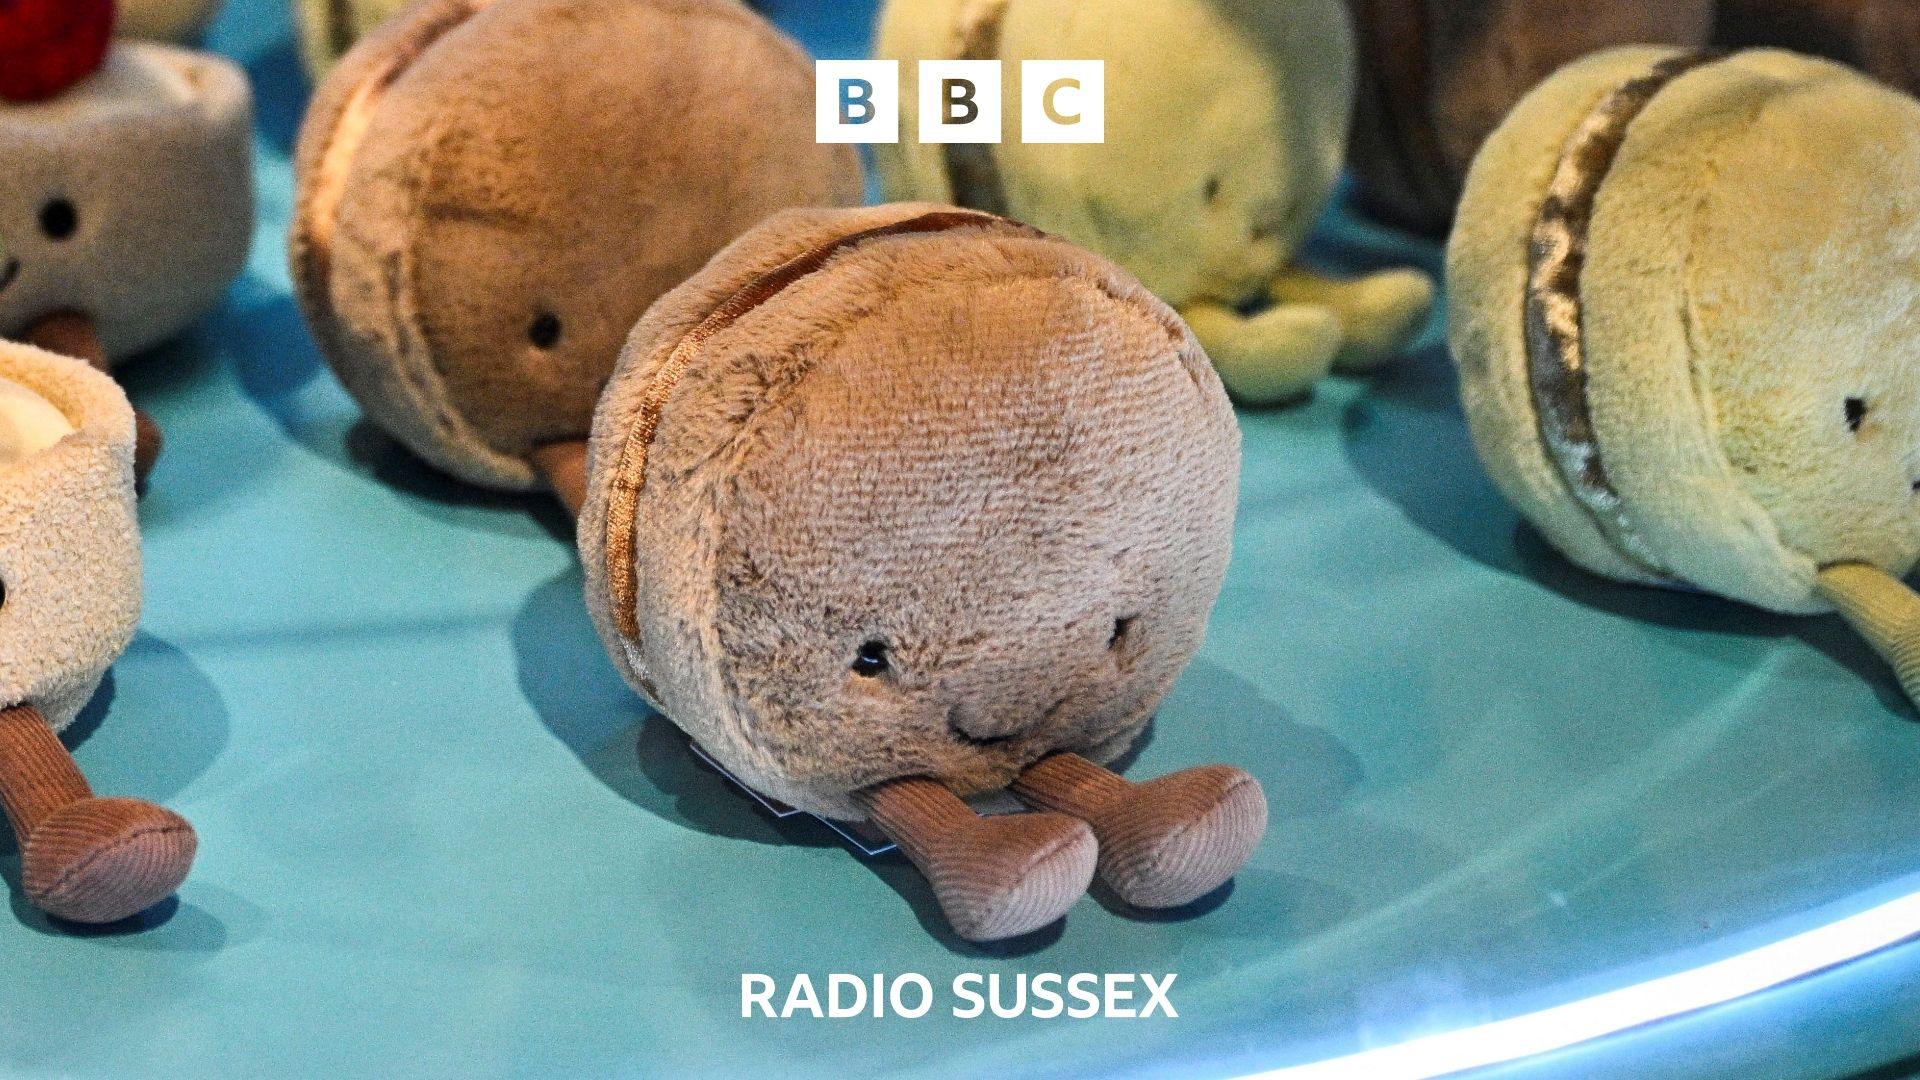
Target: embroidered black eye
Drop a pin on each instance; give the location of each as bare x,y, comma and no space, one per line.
1122,628
1212,191
58,219
871,661
1856,413
544,331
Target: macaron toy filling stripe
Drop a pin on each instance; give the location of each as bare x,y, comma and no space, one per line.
1556,359
350,132
630,472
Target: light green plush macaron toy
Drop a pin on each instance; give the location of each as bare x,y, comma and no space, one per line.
1225,129
1684,293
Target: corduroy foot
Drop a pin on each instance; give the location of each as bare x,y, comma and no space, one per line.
1166,842
995,877
102,860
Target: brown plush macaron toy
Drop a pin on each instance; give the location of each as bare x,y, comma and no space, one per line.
490,195
1437,76
893,506
69,602
1880,37
126,188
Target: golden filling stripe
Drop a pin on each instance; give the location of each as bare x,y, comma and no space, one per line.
350,133
1556,353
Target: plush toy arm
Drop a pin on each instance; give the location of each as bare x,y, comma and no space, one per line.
1380,314
84,859
995,877
1163,843
1885,612
1270,358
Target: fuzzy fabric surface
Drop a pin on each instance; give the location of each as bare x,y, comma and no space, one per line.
477,235
128,198
69,544
990,453
1745,284
1225,129
328,28
1880,37
178,21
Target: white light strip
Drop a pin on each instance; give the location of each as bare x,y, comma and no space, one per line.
1629,1007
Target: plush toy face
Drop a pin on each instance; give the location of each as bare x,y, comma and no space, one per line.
479,233
1749,388
951,535
69,549
1810,320
128,198
1225,126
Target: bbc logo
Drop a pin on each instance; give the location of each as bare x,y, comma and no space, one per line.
1061,101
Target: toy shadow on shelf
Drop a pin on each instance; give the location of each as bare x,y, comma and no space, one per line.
1223,143
70,570
1683,288
1437,76
126,192
1880,37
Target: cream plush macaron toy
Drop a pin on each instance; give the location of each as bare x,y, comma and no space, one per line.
126,186
1683,295
69,600
490,195
892,506
1225,129
1437,76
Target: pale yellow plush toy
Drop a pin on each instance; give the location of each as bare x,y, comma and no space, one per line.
1683,291
178,21
1226,125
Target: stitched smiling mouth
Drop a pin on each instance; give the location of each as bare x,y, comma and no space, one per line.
983,742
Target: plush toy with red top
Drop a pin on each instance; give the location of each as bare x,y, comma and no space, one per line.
48,45
126,184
